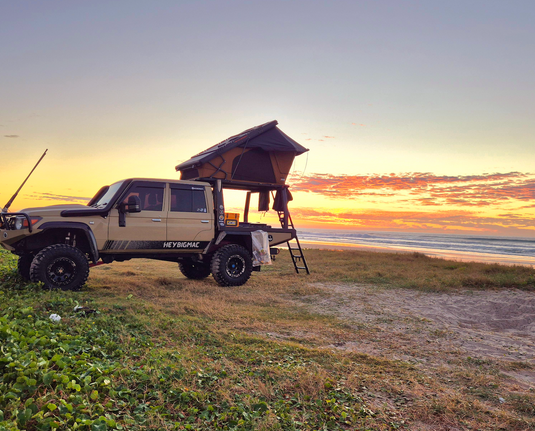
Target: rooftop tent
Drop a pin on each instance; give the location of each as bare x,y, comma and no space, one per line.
262,154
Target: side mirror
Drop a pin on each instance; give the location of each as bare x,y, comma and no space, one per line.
133,205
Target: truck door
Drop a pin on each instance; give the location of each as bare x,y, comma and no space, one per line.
190,220
145,231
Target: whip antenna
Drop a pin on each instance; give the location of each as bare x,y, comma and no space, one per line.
6,208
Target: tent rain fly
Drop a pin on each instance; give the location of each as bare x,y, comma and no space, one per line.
262,154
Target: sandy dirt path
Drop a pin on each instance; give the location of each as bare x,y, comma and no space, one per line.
431,328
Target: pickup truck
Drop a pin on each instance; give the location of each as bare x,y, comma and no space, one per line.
172,220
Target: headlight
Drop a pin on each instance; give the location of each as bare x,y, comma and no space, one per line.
19,221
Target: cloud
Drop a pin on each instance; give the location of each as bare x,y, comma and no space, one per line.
489,203
452,221
322,139
425,188
63,198
11,136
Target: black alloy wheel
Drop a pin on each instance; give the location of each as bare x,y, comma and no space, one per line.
60,266
194,270
232,265
235,266
23,265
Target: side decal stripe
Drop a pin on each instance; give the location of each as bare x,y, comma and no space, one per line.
155,245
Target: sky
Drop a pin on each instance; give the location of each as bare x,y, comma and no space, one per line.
418,114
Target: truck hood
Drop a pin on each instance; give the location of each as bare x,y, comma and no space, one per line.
52,210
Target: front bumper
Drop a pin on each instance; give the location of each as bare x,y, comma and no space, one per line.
7,221
9,234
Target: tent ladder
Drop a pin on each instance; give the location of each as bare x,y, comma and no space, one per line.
296,252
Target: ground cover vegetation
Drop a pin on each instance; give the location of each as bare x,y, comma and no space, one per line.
149,349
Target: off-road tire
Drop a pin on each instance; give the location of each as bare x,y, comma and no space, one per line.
60,266
232,265
23,266
194,270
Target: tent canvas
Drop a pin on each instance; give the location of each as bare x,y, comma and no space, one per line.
262,154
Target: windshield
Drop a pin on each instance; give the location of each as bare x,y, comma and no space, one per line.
105,199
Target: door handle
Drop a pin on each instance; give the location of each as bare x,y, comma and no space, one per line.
205,221
156,219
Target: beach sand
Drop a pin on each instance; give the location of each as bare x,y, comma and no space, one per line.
432,328
444,254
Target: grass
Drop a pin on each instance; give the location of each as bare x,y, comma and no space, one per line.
153,350
415,271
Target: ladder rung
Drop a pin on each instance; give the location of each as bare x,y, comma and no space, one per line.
301,267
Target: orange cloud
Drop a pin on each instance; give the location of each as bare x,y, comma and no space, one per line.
440,221
62,198
425,188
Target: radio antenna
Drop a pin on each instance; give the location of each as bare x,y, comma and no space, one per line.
6,208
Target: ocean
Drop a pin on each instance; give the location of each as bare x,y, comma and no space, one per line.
481,248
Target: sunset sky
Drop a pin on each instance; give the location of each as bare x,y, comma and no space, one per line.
419,115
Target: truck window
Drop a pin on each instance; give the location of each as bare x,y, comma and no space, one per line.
151,197
183,200
104,198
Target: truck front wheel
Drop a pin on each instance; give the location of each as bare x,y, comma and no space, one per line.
232,265
60,266
194,270
23,265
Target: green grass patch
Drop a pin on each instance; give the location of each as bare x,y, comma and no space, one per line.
414,271
127,366
151,350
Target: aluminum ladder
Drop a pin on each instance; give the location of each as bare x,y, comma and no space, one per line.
296,252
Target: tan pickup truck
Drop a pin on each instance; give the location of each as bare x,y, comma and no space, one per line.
171,220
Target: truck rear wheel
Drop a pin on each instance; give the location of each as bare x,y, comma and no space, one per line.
60,266
23,265
232,265
194,270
